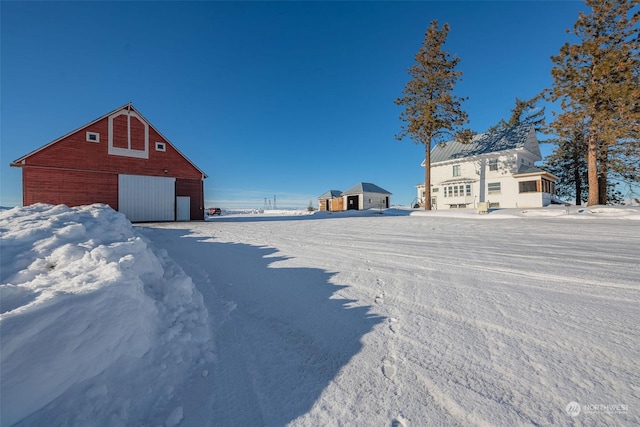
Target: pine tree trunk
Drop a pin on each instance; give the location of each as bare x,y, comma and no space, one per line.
592,168
427,176
578,181
577,177
603,164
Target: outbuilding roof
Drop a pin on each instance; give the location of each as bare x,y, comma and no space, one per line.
331,194
517,137
365,187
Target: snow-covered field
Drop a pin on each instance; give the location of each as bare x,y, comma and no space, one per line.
405,318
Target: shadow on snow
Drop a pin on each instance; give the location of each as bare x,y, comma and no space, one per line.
280,334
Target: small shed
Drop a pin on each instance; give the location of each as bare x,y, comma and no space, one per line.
331,201
366,195
118,159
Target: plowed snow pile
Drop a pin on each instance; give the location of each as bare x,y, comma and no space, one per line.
95,324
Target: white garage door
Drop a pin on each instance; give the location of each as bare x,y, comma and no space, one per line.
147,198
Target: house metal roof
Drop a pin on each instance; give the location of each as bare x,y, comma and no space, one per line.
531,170
513,138
365,187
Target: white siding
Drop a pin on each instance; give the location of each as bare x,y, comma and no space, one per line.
373,201
147,198
476,172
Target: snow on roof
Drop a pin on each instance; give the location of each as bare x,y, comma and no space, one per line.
365,187
529,169
484,143
525,170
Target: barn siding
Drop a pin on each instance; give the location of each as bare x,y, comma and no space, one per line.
71,188
74,152
193,189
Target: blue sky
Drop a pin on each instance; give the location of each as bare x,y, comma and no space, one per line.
285,99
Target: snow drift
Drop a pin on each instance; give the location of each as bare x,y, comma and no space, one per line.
86,302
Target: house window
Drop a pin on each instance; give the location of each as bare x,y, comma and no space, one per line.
528,186
494,204
493,187
93,137
455,191
160,146
468,190
456,170
548,186
434,190
493,164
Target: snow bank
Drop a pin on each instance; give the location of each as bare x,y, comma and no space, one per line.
82,295
288,212
572,212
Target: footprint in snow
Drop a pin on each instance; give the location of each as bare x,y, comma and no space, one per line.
398,422
389,367
394,324
380,298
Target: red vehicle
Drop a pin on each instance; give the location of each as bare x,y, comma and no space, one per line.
214,211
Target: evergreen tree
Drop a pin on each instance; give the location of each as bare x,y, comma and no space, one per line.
432,111
569,163
598,85
524,112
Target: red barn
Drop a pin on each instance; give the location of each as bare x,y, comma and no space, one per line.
119,159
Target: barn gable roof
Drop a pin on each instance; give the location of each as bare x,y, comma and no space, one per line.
517,137
18,162
365,187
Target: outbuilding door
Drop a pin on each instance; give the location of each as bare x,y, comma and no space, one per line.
352,202
147,198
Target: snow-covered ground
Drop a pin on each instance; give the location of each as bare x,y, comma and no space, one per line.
518,317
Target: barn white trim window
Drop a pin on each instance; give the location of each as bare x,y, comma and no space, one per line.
93,137
161,146
129,135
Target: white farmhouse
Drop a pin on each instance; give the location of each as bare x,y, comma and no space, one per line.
496,167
